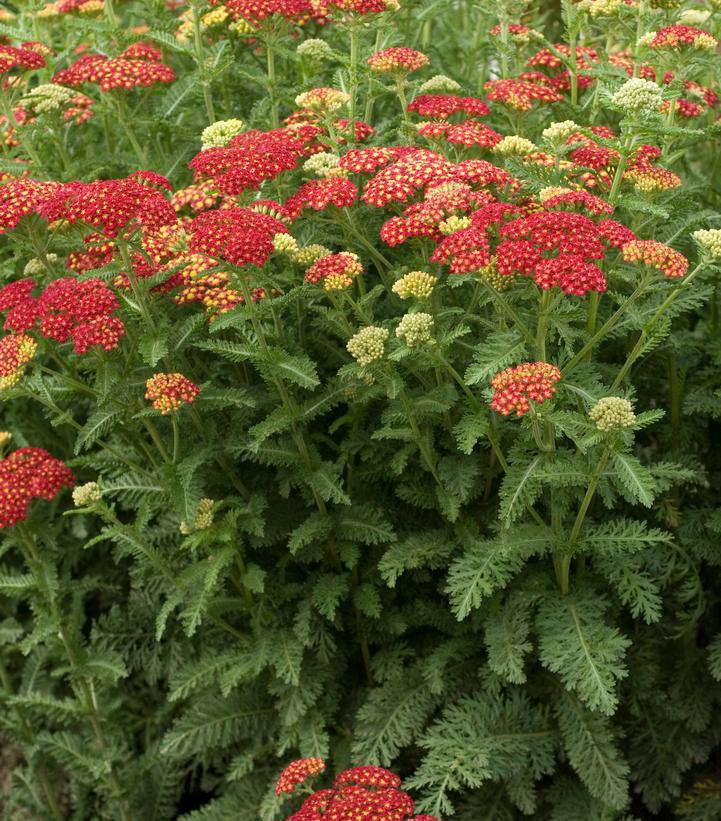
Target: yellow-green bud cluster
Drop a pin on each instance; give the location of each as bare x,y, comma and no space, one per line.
612,413
602,8
285,244
415,284
646,39
558,133
415,329
35,267
368,344
638,94
439,84
513,146
453,224
5,438
499,282
709,240
324,164
315,49
305,257
203,518
693,17
48,97
87,494
221,133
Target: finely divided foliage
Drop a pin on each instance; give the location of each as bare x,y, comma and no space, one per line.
359,381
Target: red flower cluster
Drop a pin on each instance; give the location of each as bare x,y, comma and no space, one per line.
588,202
361,793
468,133
656,255
319,194
521,94
16,351
334,272
23,58
645,175
138,66
20,197
108,205
238,235
298,772
411,171
68,308
27,474
677,36
168,391
250,158
515,388
397,60
363,6
255,11
443,106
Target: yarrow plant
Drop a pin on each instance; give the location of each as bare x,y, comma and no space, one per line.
359,371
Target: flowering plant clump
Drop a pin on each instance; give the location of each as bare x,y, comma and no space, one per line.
359,378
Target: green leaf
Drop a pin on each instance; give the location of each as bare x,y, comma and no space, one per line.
634,481
577,644
500,349
98,424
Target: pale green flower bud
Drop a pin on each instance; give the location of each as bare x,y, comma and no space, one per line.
415,329
203,518
48,97
368,344
638,94
612,413
513,146
87,494
285,244
221,133
35,267
324,164
440,84
709,240
315,49
417,284
558,133
305,257
454,223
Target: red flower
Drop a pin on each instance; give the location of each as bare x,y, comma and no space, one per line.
472,133
334,272
20,197
168,391
27,474
397,60
238,235
105,331
116,72
298,772
367,160
656,255
319,194
249,159
677,36
23,58
520,94
442,106
589,202
16,351
403,178
255,11
468,250
515,388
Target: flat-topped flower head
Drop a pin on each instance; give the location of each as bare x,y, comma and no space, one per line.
320,194
515,388
298,772
415,285
397,60
238,235
368,344
415,329
443,106
221,132
27,474
334,272
114,73
315,49
612,413
521,94
168,391
677,37
656,255
16,350
637,94
439,84
366,6
322,100
25,59
557,133
513,146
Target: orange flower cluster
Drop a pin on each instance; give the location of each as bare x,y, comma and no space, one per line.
656,255
335,271
298,772
168,391
16,351
515,388
397,60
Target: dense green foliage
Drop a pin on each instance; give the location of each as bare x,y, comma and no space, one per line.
518,614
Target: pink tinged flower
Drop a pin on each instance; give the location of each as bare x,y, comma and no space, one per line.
515,388
656,255
168,391
298,772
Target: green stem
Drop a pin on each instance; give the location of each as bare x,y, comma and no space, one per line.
542,326
149,425
110,13
420,441
353,72
200,60
649,328
121,110
176,438
270,68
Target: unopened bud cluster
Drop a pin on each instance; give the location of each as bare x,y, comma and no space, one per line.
558,133
439,84
612,413
324,164
513,146
415,329
48,97
368,344
315,49
709,239
87,494
638,94
221,133
35,267
415,284
203,518
454,223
